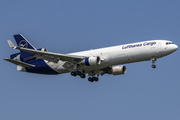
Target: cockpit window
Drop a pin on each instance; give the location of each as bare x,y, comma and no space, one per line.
168,43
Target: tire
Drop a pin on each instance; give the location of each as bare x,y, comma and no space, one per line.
79,73
89,79
73,73
153,66
83,76
96,79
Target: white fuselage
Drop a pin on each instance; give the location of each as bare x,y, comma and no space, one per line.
123,54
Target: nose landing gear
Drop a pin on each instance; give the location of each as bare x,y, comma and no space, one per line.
153,63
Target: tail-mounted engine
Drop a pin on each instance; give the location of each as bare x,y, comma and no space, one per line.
93,60
118,70
43,49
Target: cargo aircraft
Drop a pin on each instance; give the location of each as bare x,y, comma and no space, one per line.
94,63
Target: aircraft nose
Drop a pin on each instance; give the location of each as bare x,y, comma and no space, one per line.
175,47
172,48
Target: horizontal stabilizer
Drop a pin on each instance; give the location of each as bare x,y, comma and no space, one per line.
19,63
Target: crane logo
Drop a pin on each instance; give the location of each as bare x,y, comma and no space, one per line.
23,44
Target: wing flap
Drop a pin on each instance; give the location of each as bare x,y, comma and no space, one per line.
19,63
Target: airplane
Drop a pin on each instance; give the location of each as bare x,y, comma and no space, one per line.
94,62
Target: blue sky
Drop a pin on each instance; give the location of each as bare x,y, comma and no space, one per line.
70,26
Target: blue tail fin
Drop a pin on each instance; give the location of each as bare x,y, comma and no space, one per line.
23,42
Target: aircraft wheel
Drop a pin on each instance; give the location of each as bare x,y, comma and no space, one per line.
90,79
73,73
153,66
82,75
79,73
76,72
95,79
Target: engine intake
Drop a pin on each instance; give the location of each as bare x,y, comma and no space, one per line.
93,60
118,70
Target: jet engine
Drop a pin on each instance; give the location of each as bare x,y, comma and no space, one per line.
44,49
117,70
93,60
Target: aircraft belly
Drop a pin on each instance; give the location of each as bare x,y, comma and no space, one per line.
58,67
41,67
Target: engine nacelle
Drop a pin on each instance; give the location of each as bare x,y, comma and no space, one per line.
93,60
117,70
44,49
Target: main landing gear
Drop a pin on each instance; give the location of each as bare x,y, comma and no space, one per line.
82,75
92,79
75,73
153,63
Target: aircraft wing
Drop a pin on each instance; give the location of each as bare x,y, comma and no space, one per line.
50,56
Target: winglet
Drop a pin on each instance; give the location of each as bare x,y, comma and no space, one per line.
11,44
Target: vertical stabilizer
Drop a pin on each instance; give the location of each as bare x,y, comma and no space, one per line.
23,42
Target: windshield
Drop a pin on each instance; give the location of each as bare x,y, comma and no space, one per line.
168,43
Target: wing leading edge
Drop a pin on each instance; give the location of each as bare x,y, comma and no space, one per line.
50,56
